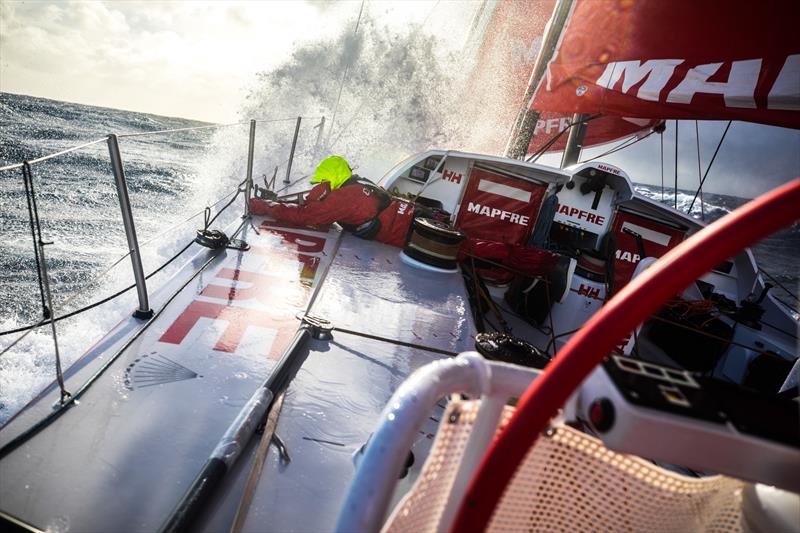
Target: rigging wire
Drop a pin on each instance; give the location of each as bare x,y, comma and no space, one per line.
779,284
662,168
713,157
699,174
676,164
51,156
536,155
175,130
344,75
72,400
41,270
621,146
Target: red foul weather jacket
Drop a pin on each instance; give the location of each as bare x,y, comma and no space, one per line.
351,204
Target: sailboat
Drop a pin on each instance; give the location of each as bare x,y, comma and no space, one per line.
300,378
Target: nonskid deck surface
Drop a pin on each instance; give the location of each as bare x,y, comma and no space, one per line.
334,403
123,458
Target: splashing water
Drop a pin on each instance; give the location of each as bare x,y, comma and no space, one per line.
396,98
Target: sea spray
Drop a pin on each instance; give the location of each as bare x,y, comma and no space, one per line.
169,177
399,95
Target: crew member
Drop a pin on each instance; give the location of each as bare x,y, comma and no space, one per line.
369,212
357,204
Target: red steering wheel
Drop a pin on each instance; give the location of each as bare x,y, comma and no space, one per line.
630,307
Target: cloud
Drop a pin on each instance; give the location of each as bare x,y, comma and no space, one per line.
180,58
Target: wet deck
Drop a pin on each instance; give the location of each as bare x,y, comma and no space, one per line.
123,457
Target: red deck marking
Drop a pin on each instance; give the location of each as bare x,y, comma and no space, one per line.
238,319
310,262
305,243
288,293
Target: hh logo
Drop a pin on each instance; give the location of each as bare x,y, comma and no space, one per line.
591,292
449,175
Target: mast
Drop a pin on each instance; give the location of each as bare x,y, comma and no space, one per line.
575,140
524,126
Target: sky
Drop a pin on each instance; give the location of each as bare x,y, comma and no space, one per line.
199,60
186,59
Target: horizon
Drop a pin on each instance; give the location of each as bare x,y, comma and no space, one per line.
549,159
202,61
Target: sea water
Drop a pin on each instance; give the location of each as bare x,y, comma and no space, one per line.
171,178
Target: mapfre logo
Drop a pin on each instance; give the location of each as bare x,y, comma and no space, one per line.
493,212
607,168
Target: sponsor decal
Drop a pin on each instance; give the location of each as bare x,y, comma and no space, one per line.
512,193
154,369
493,212
548,126
651,76
449,175
588,290
627,256
662,239
235,299
612,170
574,212
620,347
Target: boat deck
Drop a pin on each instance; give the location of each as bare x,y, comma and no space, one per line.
122,459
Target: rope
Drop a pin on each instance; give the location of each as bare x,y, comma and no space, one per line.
699,173
395,341
702,181
31,327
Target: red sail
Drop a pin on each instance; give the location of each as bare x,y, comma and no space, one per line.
710,59
600,131
503,46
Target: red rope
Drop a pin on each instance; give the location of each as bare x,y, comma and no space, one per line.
639,299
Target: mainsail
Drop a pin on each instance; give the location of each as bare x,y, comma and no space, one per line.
681,60
505,39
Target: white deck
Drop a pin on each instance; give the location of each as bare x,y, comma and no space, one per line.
123,457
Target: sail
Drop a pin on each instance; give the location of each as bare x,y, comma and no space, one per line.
602,130
684,60
503,45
